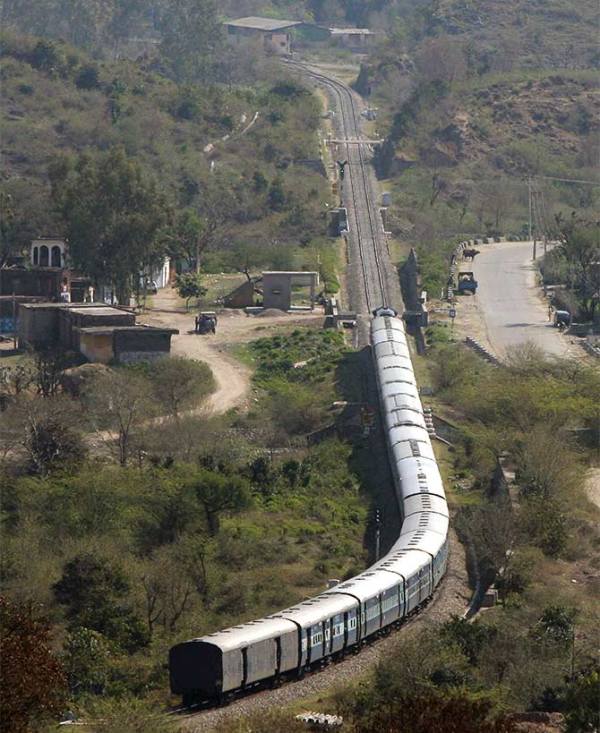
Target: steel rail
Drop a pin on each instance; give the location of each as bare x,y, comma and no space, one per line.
366,226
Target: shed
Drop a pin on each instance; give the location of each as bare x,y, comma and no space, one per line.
275,33
124,344
89,315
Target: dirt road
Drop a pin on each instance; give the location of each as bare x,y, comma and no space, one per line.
234,327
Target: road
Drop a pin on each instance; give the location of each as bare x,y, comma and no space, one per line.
510,300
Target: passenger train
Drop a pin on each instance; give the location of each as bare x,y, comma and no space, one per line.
288,643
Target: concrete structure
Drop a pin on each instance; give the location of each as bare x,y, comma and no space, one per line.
42,282
46,252
275,34
358,40
242,297
100,332
277,287
124,344
71,320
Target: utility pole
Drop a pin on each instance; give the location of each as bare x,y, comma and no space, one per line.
530,206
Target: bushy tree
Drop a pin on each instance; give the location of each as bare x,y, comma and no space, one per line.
218,493
95,595
32,680
191,37
188,286
86,658
114,214
180,383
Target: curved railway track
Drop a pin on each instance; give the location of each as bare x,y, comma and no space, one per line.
369,255
365,226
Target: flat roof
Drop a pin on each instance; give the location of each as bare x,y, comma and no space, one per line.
99,310
351,32
262,24
290,272
83,307
140,328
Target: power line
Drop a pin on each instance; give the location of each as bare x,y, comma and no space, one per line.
568,180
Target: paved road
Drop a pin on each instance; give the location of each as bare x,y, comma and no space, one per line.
510,301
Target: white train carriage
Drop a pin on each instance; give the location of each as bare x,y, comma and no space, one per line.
326,625
391,589
234,658
380,598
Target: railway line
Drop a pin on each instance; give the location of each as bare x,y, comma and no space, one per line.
287,645
373,281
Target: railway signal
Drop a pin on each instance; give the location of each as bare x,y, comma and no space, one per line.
341,168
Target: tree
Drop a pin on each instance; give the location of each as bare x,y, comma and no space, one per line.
120,400
86,658
32,680
184,238
580,245
192,37
94,593
113,214
582,709
180,383
47,431
189,286
218,493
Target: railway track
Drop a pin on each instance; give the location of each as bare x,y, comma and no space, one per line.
366,237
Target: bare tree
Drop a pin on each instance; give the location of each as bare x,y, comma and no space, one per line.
119,403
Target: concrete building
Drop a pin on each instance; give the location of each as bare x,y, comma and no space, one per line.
124,344
100,332
278,288
47,252
275,34
358,40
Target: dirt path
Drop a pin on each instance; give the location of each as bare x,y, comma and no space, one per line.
234,327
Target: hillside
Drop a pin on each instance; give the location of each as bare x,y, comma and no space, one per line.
56,101
548,34
473,99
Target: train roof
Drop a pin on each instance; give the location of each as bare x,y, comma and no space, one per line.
240,636
311,611
425,521
405,561
425,503
422,540
366,585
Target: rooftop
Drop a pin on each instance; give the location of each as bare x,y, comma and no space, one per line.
138,328
351,32
262,24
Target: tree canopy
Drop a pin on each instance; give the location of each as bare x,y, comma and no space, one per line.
114,213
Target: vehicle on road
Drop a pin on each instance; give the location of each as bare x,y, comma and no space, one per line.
206,322
562,319
218,666
466,282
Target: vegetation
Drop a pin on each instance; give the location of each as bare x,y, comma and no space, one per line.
69,120
171,529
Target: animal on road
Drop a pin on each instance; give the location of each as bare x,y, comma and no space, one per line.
470,254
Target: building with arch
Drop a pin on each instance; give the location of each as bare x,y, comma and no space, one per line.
48,253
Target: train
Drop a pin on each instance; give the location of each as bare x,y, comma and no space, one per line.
218,666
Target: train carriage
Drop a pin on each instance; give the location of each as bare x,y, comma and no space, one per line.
397,585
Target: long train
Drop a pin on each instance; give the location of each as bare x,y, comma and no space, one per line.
288,643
